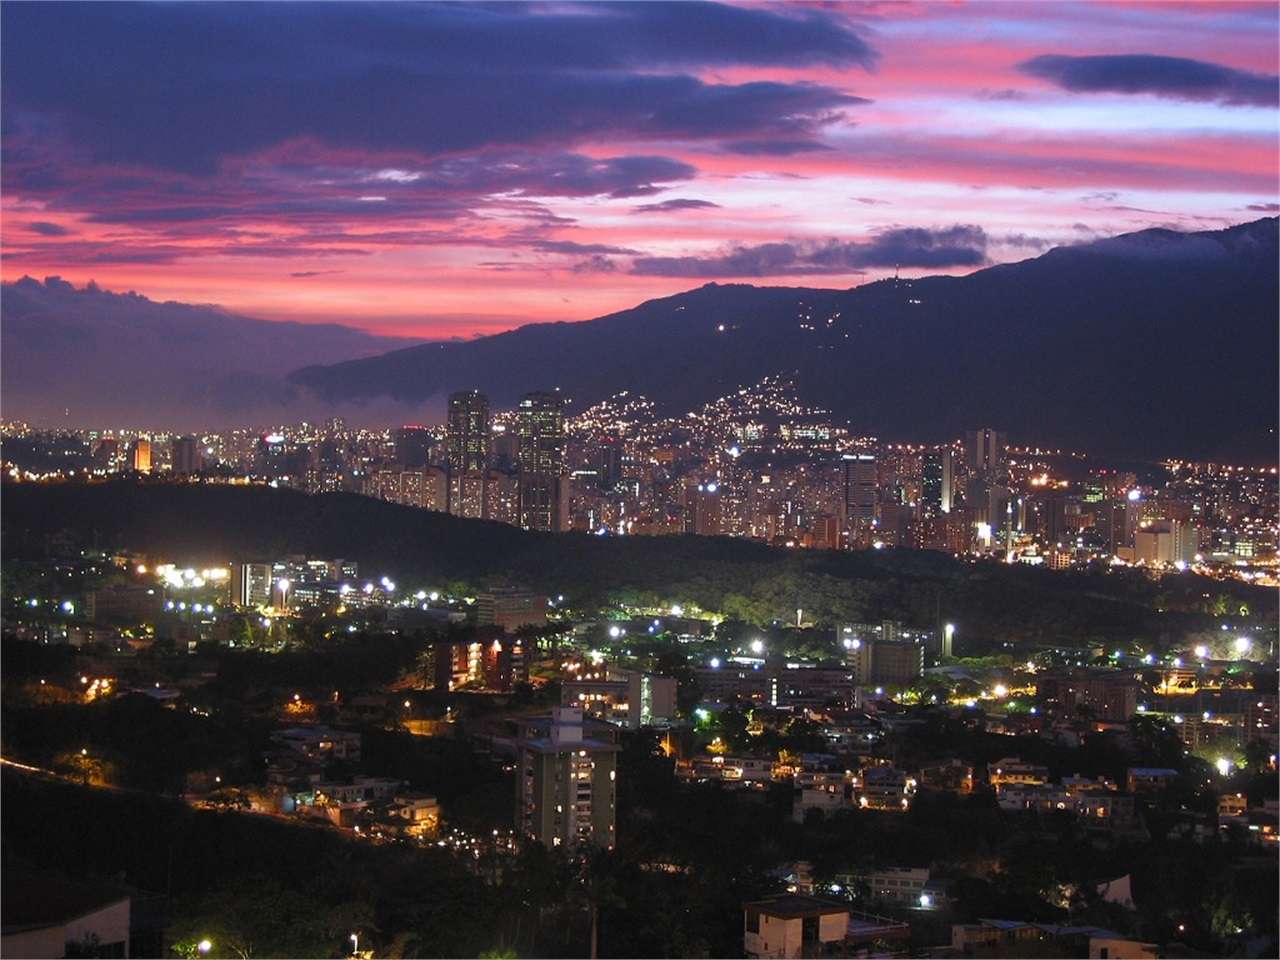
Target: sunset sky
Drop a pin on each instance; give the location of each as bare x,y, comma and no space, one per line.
453,170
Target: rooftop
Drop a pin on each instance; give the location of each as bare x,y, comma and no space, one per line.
793,905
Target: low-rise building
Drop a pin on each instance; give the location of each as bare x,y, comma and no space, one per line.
418,814
886,788
793,926
745,770
1012,771
903,886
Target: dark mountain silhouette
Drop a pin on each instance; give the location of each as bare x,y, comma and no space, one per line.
1149,344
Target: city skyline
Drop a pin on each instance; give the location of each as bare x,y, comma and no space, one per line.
194,154
675,479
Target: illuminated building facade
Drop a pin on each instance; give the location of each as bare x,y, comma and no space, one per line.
251,584
141,455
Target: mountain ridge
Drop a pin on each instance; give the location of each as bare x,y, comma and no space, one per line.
1052,348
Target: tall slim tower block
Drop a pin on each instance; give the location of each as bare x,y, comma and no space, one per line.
540,427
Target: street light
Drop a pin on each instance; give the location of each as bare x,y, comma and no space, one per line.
204,946
355,944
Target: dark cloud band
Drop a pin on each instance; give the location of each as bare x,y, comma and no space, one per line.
1177,78
957,246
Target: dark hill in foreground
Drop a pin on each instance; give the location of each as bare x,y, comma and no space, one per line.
198,523
1150,344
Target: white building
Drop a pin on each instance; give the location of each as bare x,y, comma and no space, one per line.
792,926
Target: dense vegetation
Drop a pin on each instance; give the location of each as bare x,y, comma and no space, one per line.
743,580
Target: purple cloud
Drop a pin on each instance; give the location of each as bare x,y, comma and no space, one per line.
775,148
46,229
957,246
595,264
581,249
675,204
1176,78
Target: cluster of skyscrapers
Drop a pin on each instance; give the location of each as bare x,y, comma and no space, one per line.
515,474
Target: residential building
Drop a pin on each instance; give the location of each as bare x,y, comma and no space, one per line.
859,477
886,788
565,780
1012,771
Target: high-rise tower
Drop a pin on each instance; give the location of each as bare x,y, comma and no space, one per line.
467,432
467,447
540,426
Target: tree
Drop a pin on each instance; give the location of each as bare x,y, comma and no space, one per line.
598,876
257,917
